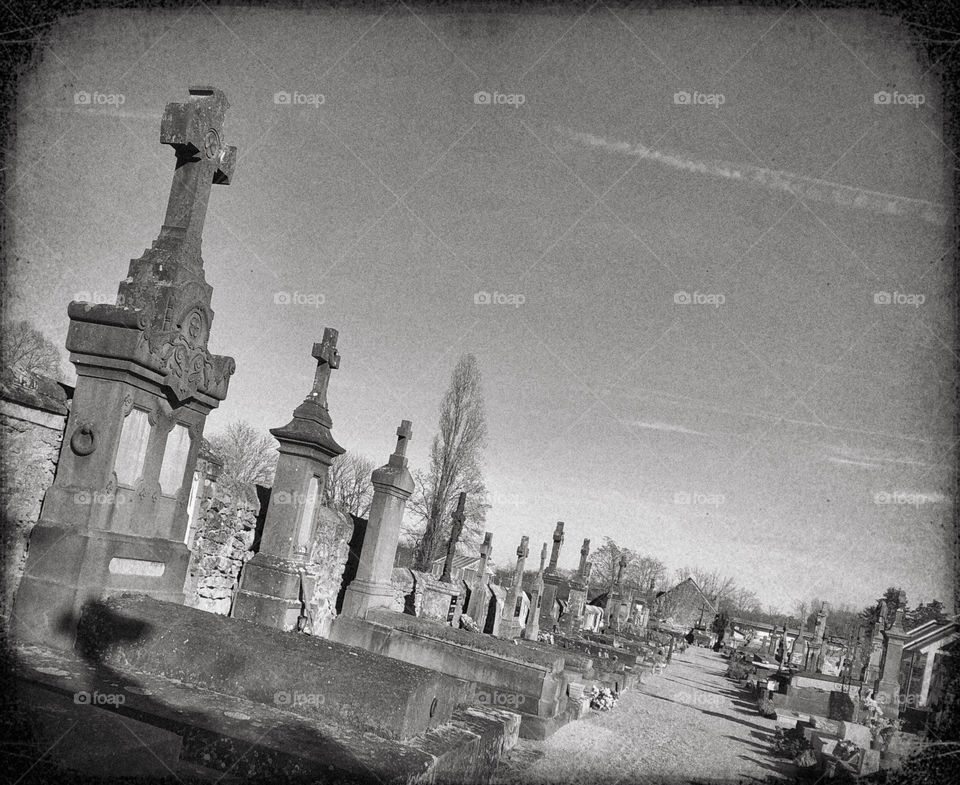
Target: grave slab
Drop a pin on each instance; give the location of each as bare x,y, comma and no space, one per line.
393,699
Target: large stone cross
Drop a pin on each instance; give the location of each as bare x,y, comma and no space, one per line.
328,359
523,550
404,434
584,553
194,130
455,529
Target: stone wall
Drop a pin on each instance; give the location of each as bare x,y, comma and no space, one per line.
325,569
33,413
222,545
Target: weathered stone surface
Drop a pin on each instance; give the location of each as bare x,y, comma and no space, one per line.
232,736
221,547
393,699
31,441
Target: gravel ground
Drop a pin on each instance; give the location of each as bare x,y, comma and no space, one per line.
690,724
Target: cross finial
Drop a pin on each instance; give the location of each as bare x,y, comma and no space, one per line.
194,130
522,550
543,556
404,434
328,358
487,545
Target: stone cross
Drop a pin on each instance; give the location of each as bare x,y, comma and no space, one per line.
458,518
620,568
478,597
328,359
543,558
404,434
557,542
510,607
194,130
584,553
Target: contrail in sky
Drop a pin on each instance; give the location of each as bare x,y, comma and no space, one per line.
808,188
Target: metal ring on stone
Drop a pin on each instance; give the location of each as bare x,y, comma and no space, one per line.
84,439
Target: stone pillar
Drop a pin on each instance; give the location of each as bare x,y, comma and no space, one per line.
614,597
510,607
536,598
455,529
887,685
392,486
270,584
818,649
477,607
115,518
551,583
572,621
873,648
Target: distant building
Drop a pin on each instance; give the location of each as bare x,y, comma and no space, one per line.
464,568
685,605
925,655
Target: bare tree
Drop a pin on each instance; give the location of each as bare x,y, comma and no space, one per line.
27,349
249,457
348,487
455,457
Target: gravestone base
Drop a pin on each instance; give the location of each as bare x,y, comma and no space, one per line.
69,568
269,593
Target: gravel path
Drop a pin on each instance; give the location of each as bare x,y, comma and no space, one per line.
690,724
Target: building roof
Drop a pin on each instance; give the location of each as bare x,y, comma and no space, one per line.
931,632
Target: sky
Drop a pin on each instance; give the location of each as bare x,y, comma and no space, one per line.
700,256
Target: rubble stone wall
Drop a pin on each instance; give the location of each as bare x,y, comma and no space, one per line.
222,545
30,444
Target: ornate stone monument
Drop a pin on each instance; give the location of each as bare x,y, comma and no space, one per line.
392,486
887,685
270,583
115,518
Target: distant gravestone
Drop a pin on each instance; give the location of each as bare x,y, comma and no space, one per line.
115,518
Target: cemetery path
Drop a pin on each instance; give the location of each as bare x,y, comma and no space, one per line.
689,724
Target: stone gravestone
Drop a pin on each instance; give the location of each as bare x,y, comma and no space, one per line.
532,627
392,486
115,518
511,625
551,584
270,584
572,621
479,595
